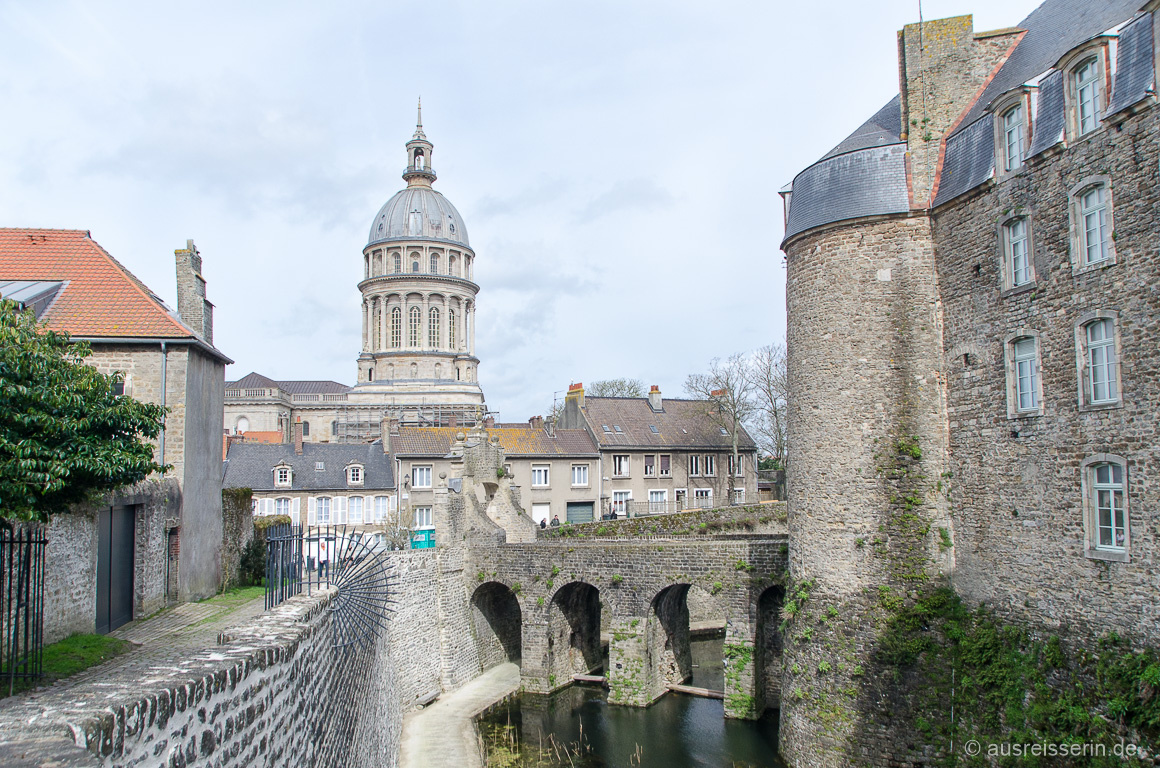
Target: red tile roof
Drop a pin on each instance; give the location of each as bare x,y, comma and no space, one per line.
268,438
100,297
516,441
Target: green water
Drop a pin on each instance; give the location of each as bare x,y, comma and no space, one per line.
676,731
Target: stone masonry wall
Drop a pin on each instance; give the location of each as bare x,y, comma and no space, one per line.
753,518
1017,489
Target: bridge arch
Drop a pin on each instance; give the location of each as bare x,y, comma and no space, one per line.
573,625
667,639
767,642
497,624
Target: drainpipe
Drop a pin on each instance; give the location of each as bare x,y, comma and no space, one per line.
164,359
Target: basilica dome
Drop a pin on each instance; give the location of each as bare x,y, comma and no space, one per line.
418,212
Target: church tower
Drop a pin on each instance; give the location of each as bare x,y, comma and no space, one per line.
418,300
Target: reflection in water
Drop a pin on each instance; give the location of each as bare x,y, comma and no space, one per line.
675,732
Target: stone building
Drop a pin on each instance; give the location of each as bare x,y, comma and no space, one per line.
159,541
972,317
662,455
418,361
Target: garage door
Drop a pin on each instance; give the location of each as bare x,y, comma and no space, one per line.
579,511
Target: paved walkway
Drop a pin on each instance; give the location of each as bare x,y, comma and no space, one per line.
443,734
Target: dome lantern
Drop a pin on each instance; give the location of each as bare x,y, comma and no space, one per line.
419,171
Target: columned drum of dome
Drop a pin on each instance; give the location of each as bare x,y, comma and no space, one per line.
418,298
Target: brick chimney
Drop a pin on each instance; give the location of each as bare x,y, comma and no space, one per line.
192,306
489,422
298,436
536,422
453,421
654,399
385,434
571,418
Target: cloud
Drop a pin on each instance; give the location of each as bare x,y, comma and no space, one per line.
625,195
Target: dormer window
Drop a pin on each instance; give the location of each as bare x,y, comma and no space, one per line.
1085,77
1087,95
1012,129
282,477
319,466
1013,132
354,474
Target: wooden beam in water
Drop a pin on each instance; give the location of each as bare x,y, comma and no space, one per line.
693,691
588,679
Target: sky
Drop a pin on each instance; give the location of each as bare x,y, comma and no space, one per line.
617,164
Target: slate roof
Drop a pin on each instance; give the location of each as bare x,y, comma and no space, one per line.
257,381
681,424
251,465
100,298
516,441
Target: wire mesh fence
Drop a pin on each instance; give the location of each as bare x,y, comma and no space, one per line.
21,603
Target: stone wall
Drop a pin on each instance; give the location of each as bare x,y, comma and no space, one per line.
237,531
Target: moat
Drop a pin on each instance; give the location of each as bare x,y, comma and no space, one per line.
577,727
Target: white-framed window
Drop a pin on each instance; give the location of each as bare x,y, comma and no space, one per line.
1098,359
283,506
738,495
282,476
702,498
1024,386
710,465
382,508
452,342
396,326
657,500
421,476
414,329
620,500
540,475
1092,222
650,465
507,470
398,262
680,498
694,465
1088,95
666,465
322,508
1105,489
433,328
354,510
434,264
621,465
1017,264
1013,125
737,468
541,511
354,474
579,475
423,518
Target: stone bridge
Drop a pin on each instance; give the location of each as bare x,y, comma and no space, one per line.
546,605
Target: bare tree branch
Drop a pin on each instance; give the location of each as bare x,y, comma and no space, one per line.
728,389
621,387
771,389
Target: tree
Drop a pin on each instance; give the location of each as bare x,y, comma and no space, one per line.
616,388
771,389
65,434
395,531
728,390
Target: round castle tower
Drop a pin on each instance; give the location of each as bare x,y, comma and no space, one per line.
418,307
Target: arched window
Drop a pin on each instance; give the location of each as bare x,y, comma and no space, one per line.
396,327
434,267
452,342
306,429
1104,477
419,159
413,331
451,259
398,262
1016,253
377,336
1023,380
1013,133
1093,224
242,426
415,266
1099,360
433,328
1087,95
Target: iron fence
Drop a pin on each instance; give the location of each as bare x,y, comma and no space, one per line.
21,603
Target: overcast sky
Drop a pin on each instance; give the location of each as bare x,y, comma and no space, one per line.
616,163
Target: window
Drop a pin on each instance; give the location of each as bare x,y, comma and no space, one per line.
620,501
243,425
451,343
396,327
1098,360
653,428
306,429
282,476
1086,79
579,475
507,470
1014,131
433,328
415,266
540,475
320,466
413,331
421,477
282,506
322,507
710,465
606,428
398,262
739,469
657,500
1106,508
621,465
680,497
382,506
1024,393
355,510
1016,253
694,466
423,517
650,465
738,495
666,465
619,431
451,259
702,498
1093,225
434,264
354,474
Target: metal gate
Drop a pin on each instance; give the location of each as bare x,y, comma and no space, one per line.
21,603
115,535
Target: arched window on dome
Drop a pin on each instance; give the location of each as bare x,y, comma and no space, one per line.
434,264
433,328
398,262
420,160
396,328
416,322
451,329
378,321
